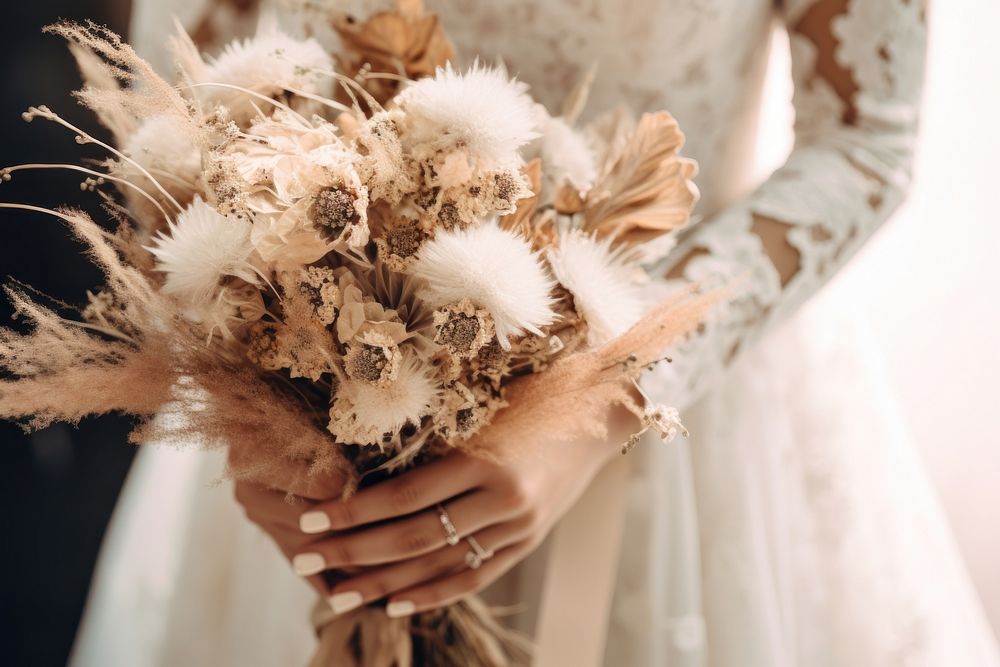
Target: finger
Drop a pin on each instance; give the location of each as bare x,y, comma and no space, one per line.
375,584
263,505
399,540
410,492
318,582
452,588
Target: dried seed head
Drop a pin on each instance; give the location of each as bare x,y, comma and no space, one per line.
333,211
459,332
405,240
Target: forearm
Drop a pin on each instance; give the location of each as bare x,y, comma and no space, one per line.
850,169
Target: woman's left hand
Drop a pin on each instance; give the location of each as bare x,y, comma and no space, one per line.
395,531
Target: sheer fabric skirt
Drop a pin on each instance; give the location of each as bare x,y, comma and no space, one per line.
795,527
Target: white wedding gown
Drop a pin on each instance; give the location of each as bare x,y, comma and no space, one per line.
795,526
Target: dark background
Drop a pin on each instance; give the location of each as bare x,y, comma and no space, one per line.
58,486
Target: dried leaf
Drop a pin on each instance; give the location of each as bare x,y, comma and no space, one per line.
647,191
404,42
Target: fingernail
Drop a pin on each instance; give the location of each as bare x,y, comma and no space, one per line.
314,522
306,564
346,601
400,609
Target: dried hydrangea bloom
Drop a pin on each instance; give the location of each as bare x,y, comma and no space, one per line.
373,357
463,329
301,345
360,317
399,243
465,410
318,287
368,414
262,346
388,174
491,362
465,205
339,213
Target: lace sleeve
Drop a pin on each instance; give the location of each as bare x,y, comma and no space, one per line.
857,70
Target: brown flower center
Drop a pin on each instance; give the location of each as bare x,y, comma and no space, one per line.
459,332
333,211
369,363
465,419
405,240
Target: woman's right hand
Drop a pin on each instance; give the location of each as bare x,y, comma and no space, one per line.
276,510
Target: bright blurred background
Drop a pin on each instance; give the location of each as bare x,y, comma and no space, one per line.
928,283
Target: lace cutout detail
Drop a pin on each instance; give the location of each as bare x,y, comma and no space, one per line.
846,175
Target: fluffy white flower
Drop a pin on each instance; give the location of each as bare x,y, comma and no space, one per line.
202,247
483,110
363,412
602,283
566,156
165,146
267,64
493,268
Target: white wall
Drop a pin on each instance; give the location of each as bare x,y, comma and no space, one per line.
929,282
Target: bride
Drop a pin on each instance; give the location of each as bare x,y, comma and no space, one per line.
794,527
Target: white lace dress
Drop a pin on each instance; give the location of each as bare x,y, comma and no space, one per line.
795,527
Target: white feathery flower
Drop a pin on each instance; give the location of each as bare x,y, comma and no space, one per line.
165,146
201,247
267,64
602,283
496,270
363,413
566,156
483,110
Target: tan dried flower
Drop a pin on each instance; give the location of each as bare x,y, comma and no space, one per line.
318,286
303,346
399,244
647,189
463,329
374,357
369,414
404,40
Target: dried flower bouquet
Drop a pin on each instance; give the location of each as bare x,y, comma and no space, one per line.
356,261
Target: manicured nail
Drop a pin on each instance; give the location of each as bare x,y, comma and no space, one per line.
306,564
314,522
400,609
346,601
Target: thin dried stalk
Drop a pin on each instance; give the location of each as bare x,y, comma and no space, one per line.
463,634
153,361
574,397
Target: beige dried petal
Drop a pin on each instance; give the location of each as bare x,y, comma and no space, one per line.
403,41
647,190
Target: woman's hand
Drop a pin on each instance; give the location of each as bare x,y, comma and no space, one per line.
276,506
395,531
